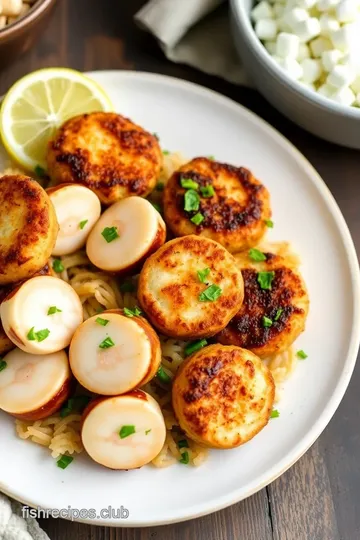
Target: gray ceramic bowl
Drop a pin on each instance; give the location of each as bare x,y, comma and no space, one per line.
331,121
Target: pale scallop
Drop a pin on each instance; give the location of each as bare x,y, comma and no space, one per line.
139,230
132,361
34,386
77,210
27,308
134,411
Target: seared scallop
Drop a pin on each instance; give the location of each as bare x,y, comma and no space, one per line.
123,432
33,386
106,153
41,315
5,343
275,307
125,235
112,353
77,210
219,201
223,396
28,228
190,288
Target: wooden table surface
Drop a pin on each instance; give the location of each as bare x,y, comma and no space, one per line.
319,497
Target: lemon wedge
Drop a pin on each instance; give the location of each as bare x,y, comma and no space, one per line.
35,107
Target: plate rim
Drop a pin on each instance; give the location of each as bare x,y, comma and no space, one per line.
339,390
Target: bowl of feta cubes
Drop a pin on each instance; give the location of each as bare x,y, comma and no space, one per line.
304,57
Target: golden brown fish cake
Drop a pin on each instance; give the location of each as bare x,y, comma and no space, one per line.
234,215
223,396
106,153
171,292
5,343
285,305
28,228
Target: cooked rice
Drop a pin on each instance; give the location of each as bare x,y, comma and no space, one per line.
99,291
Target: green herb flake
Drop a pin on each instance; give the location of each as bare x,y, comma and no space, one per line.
163,376
192,201
147,431
53,309
207,191
183,444
127,286
75,404
212,158
188,183
156,206
184,458
203,274
3,364
83,223
166,152
266,322
126,431
278,314
194,346
160,186
106,343
41,335
110,234
256,255
302,355
269,223
265,279
197,219
101,321
64,461
274,413
132,312
39,171
58,266
156,136
212,293
31,334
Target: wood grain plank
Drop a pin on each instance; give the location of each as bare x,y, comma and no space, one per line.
245,521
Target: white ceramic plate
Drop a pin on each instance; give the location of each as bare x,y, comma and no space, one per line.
199,122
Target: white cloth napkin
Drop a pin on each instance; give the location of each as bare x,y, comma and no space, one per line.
13,526
194,32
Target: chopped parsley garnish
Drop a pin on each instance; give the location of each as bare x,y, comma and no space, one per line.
39,171
102,321
83,223
212,293
203,274
156,206
207,191
278,314
75,404
301,354
156,136
132,312
3,364
197,219
184,458
266,322
269,223
256,255
38,336
58,266
188,183
166,152
183,444
160,186
53,309
127,286
110,234
194,346
265,279
106,343
163,376
192,201
274,413
125,431
212,158
147,431
64,461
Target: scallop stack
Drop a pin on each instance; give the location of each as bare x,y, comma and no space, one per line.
200,278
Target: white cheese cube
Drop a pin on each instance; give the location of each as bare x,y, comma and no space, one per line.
312,70
340,76
308,29
294,16
326,90
306,4
347,11
328,24
292,67
304,52
287,45
344,96
345,37
355,85
278,10
320,45
266,29
330,59
326,5
263,10
270,46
